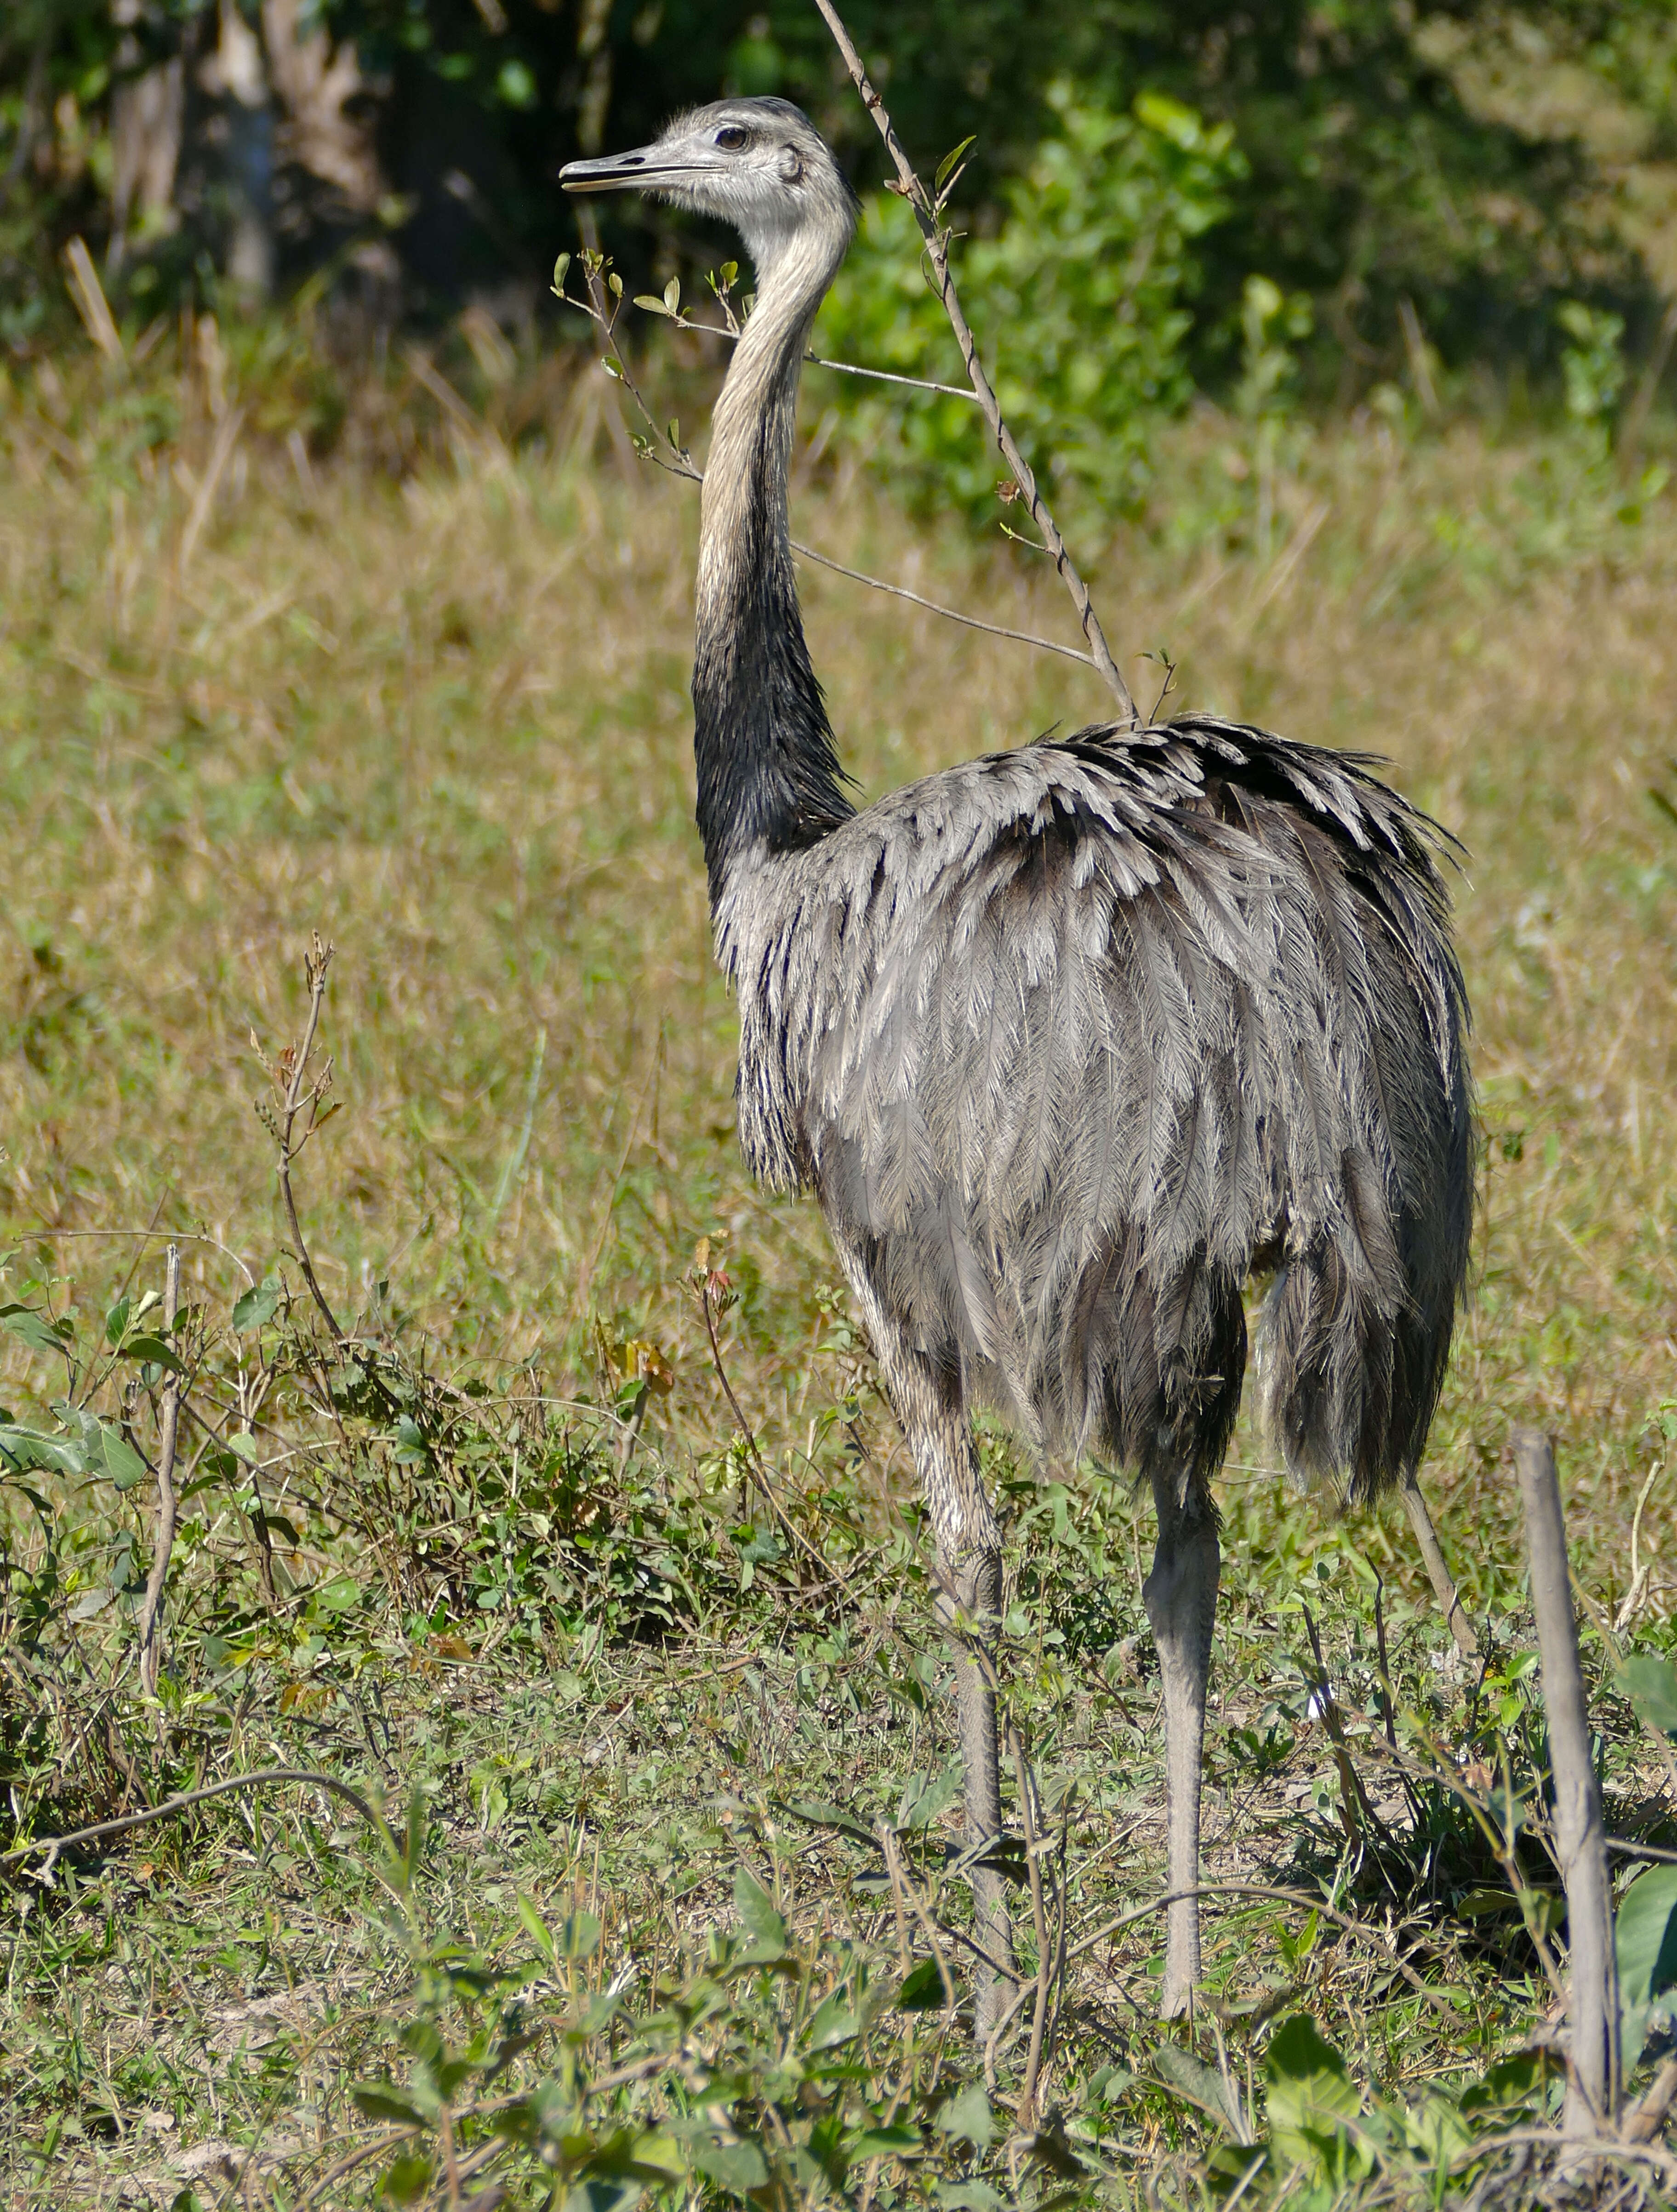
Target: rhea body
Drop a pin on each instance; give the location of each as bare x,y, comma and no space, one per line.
1068,1041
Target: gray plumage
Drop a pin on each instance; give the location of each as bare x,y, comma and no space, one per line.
1074,1039
1070,1042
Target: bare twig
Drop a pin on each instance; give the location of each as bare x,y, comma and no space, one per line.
184,1802
928,213
904,1893
890,376
710,1292
88,295
661,449
162,1540
299,1091
1443,1582
1593,2073
949,614
1025,2110
1436,1999
1645,2120
203,499
1355,1813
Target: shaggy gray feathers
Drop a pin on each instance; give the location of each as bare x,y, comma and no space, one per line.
1071,1041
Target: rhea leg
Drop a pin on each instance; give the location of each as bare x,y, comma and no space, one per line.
1181,1596
973,1585
926,1395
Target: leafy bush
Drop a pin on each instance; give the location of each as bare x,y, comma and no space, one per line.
1079,301
1592,366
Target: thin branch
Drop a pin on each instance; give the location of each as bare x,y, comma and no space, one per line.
291,1080
53,1845
927,214
709,1298
1025,2110
889,376
1592,2069
163,1541
1436,1999
659,447
949,614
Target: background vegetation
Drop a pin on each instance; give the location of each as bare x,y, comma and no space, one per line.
536,1488
656,1711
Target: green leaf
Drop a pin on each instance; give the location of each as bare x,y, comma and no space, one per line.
922,1987
1480,1904
1645,1942
1192,2078
110,1453
759,1917
1310,2089
23,1448
411,1450
1651,1687
950,160
820,1815
258,1306
1514,2084
739,2166
36,1329
968,2196
834,2023
580,1937
383,2101
341,1594
672,297
244,1446
560,269
407,2177
885,2142
968,2116
650,303
924,1800
536,1928
150,1350
117,1320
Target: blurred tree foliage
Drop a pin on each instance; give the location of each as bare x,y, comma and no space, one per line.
1080,300
1480,160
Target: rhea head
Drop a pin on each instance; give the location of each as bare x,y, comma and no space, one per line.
759,164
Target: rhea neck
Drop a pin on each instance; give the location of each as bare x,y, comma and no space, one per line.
768,778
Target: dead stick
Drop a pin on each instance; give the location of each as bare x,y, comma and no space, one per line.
927,214
1025,2111
163,1541
184,1802
1443,1582
1593,2079
296,1094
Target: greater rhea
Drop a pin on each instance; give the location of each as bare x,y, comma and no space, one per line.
1068,1042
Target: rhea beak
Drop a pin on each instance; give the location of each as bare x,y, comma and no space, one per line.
650,168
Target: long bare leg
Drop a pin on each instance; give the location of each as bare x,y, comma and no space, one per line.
926,1395
975,1583
1181,1599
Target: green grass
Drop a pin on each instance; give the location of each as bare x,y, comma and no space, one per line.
431,702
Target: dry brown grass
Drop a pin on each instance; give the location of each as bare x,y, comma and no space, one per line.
445,723
440,716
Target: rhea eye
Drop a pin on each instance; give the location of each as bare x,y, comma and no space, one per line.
732,137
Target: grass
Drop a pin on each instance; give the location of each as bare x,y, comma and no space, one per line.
505,1565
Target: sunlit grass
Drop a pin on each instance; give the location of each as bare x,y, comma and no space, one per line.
440,715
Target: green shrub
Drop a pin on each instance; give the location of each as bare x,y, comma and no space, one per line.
1079,303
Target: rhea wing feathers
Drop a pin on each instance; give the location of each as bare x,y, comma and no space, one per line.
1081,1035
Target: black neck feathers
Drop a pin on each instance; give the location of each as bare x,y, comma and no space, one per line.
769,777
